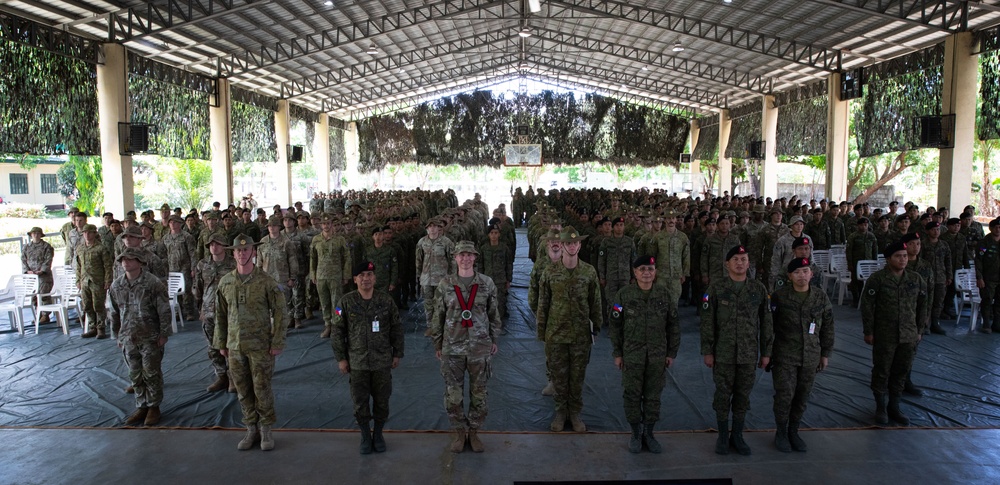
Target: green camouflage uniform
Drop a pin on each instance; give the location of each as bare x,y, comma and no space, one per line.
207,276
860,247
38,257
249,323
434,259
140,316
279,257
803,333
762,249
781,255
894,311
838,233
535,279
939,255
736,328
819,232
301,241
465,350
569,315
713,255
644,332
329,265
987,253
614,266
673,251
181,254
368,347
386,265
497,262
93,276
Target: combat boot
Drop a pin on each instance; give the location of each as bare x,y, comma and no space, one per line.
722,443
647,436
378,441
558,422
894,413
266,439
43,319
549,390
366,439
781,437
153,416
101,334
880,414
90,334
736,438
635,442
458,440
996,325
137,417
252,436
577,423
910,389
326,333
221,382
232,384
986,328
474,442
794,439
936,328
129,390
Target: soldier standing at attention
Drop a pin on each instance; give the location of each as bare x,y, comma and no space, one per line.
553,250
893,313
93,278
368,343
803,342
987,254
673,251
434,259
36,259
714,251
736,328
614,261
861,245
329,267
938,254
279,257
465,330
181,254
569,318
211,228
207,275
386,260
496,260
645,335
140,318
250,331
301,242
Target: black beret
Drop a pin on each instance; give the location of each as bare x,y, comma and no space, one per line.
909,237
644,261
953,220
735,251
894,248
902,217
861,220
799,242
616,220
931,225
995,222
362,267
797,263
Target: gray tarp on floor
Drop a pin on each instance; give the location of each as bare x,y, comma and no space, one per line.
54,380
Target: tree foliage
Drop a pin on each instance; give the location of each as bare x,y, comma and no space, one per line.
189,181
81,180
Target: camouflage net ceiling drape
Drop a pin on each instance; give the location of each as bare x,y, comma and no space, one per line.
338,152
988,123
254,139
179,114
708,139
746,128
802,127
471,129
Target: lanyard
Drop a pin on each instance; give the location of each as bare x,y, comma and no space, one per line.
466,305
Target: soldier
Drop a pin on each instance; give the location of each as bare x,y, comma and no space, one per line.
553,251
211,228
434,259
714,252
925,268
987,253
960,258
781,255
73,235
301,241
803,342
735,329
818,231
279,257
36,259
140,318
329,267
249,228
207,275
762,248
465,330
614,259
938,253
93,278
569,318
838,234
645,335
496,260
386,260
250,332
368,343
181,254
861,246
673,250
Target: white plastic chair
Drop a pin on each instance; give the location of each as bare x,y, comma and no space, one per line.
20,292
840,273
865,269
967,292
175,287
881,261
821,259
65,295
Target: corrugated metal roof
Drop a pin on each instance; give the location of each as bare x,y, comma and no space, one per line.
317,54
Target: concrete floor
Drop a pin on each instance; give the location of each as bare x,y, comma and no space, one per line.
153,456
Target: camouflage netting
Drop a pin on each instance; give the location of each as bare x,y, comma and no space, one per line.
988,122
708,140
802,128
746,128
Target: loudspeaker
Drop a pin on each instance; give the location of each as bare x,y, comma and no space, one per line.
134,138
936,131
523,130
755,150
295,153
852,84
685,158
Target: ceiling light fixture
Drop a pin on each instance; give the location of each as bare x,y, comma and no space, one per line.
727,1
372,50
525,32
677,47
535,6
328,3
644,68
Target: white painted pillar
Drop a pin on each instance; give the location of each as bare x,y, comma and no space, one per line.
693,140
112,107
321,153
353,158
283,172
769,128
836,141
959,97
725,183
220,120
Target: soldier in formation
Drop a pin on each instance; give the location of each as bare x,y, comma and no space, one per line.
93,278
208,274
36,259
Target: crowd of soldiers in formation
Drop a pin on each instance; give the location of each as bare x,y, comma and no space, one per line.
621,260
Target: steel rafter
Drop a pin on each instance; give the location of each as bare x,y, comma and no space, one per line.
333,77
134,23
48,38
817,57
480,82
268,55
732,77
933,14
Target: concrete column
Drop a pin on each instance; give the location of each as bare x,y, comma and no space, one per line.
112,107
353,158
769,167
283,172
695,164
220,120
321,153
836,141
725,182
959,97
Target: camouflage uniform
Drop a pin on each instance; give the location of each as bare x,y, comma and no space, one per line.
497,262
279,257
329,265
987,252
803,333
569,315
386,265
140,317
181,256
93,277
736,328
207,276
781,255
673,251
819,232
465,350
838,233
297,305
644,332
614,266
434,259
894,311
368,348
762,249
250,323
860,246
73,238
939,255
38,257
713,255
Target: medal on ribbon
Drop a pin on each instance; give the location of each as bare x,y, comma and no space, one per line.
466,304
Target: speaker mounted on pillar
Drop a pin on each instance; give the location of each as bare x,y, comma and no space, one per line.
755,150
936,131
135,138
852,84
685,158
296,153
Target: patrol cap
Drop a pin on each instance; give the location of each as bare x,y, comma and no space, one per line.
132,253
909,237
735,251
89,227
953,221
799,242
644,261
569,234
212,216
759,208
217,238
275,221
36,229
191,215
465,247
301,214
147,225
894,248
931,225
290,215
242,241
362,267
794,220
434,221
133,231
797,263
744,214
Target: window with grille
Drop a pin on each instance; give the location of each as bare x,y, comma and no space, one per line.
18,183
50,185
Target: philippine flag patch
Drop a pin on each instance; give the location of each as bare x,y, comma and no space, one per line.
338,311
616,307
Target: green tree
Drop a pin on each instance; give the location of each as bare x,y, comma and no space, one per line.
189,181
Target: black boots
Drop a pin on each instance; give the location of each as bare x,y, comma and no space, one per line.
910,389
894,413
635,441
366,439
781,437
880,415
647,437
736,438
793,437
722,443
378,442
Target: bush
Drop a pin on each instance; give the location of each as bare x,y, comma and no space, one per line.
29,211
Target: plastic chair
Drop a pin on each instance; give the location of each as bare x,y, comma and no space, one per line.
821,259
881,261
840,273
65,295
20,292
175,287
967,292
865,269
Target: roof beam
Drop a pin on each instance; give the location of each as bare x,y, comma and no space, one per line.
134,23
934,14
818,57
